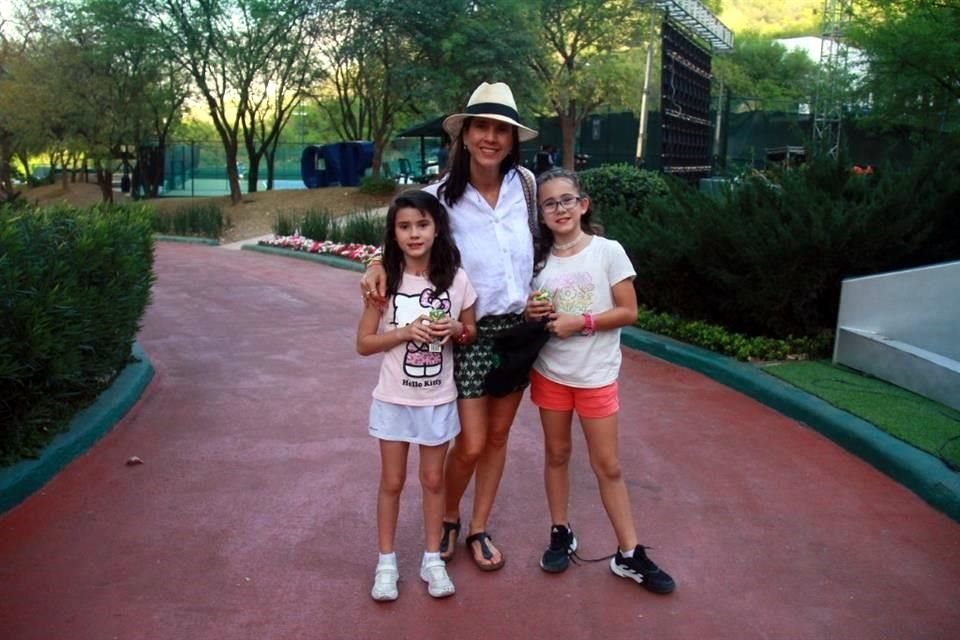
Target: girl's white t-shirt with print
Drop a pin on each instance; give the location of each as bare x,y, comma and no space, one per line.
581,284
412,373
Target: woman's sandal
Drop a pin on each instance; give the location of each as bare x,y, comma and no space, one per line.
482,537
448,543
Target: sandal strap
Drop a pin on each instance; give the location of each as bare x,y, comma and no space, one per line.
448,528
481,537
451,526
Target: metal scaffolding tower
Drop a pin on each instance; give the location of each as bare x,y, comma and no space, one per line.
831,78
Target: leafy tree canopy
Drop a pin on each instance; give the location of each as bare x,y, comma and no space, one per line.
914,61
764,71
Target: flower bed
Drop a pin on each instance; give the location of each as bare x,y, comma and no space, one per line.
349,250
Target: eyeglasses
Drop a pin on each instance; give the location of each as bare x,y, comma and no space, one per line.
552,207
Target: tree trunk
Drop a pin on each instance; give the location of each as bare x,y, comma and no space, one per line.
6,181
568,129
271,158
236,194
25,161
377,161
253,172
105,182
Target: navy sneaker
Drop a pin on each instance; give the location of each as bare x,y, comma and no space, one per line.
643,571
556,558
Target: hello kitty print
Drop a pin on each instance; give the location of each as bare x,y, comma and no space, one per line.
420,360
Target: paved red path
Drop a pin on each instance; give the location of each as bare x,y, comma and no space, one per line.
253,515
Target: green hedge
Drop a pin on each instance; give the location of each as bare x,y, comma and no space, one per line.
769,256
205,220
377,186
74,285
720,340
617,189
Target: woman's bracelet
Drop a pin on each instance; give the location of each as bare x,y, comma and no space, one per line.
463,338
376,258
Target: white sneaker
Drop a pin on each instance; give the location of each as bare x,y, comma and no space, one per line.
385,583
439,584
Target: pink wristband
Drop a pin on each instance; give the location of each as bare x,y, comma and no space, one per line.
589,326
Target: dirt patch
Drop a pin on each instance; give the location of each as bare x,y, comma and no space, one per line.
252,217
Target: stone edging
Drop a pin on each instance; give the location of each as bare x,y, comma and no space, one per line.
186,239
23,478
917,470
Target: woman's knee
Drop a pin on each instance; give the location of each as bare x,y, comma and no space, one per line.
498,438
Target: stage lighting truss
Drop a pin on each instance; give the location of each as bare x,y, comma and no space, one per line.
699,20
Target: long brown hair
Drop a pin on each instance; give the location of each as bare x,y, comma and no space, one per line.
456,184
444,255
543,242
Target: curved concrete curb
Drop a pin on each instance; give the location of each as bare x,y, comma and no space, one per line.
25,477
333,261
186,239
920,472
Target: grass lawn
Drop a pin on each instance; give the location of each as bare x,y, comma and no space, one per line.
927,425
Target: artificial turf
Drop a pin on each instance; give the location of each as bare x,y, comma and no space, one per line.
923,423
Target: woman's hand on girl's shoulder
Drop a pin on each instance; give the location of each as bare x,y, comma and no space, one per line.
373,285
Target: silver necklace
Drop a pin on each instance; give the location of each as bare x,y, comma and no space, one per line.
568,245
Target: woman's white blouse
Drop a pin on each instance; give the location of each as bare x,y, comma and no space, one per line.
496,247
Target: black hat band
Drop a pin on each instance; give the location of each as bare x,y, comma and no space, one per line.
493,108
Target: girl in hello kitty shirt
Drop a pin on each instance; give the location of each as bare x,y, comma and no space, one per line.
430,305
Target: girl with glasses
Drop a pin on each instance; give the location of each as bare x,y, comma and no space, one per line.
583,290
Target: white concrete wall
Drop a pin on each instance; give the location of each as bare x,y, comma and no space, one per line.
917,306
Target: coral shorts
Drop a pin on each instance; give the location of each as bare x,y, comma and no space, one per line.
588,403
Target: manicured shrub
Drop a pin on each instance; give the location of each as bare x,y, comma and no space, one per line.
74,285
377,186
360,228
205,220
768,258
720,340
621,188
315,224
286,223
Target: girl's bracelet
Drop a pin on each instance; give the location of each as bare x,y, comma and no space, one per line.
589,325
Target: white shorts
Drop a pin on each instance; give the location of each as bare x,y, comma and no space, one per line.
430,425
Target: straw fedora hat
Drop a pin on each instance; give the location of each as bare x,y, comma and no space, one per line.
494,101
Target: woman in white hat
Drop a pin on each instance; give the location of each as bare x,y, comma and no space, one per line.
491,201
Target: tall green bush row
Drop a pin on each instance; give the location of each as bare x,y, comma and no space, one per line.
74,285
620,188
768,258
204,220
